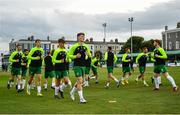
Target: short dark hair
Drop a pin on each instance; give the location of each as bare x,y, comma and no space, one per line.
26,50
109,48
61,40
18,45
79,34
144,48
49,52
37,40
127,49
157,41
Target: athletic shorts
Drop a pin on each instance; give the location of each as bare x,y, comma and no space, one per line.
142,69
61,74
94,70
34,70
24,72
160,69
50,74
110,69
16,71
79,71
87,70
126,69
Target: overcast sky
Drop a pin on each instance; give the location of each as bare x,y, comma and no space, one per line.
56,18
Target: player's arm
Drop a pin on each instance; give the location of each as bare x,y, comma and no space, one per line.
12,56
124,58
93,62
88,53
115,58
164,55
71,52
55,56
137,58
106,56
31,53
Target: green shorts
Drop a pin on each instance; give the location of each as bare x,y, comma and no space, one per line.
16,71
126,69
24,72
110,69
94,70
34,70
87,70
61,74
79,71
49,74
142,69
160,69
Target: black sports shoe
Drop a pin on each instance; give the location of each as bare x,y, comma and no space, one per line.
45,89
61,93
52,87
8,85
16,87
152,79
118,84
56,97
96,82
19,90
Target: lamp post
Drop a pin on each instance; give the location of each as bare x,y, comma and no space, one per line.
131,21
104,25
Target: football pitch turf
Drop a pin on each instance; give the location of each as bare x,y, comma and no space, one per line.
132,98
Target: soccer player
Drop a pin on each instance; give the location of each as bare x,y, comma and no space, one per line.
49,71
141,61
80,53
15,59
110,59
87,71
60,57
94,64
126,59
35,58
24,67
160,57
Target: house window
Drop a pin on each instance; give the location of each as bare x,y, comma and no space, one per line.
176,35
177,44
91,47
170,45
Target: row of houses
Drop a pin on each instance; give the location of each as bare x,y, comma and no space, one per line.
48,45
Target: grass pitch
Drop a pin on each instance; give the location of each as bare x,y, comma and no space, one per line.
132,98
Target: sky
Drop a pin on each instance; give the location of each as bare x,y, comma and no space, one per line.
56,18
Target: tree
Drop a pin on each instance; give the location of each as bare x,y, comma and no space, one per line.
137,44
149,45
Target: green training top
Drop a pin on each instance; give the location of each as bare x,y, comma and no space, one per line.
126,60
58,55
95,62
141,59
83,50
162,56
14,57
110,58
35,57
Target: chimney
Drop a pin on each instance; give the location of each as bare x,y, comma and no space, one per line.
178,25
116,40
166,28
48,38
91,39
104,40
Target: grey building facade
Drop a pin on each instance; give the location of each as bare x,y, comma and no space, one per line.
171,38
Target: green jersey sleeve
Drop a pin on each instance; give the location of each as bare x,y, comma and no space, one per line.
124,58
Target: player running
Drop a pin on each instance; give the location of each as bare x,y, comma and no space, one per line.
87,71
49,71
94,64
60,57
160,57
110,59
24,67
141,61
80,53
35,58
15,59
126,59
